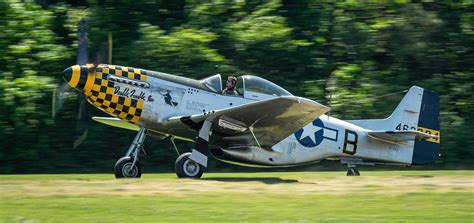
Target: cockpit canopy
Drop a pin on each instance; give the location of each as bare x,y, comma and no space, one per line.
254,84
248,86
214,83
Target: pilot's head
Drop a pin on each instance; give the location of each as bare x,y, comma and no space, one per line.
231,81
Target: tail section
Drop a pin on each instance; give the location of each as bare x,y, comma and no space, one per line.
418,110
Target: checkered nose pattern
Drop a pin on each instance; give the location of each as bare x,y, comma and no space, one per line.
103,96
80,77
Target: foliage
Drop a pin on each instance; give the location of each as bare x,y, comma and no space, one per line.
344,54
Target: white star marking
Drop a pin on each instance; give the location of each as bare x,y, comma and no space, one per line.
309,130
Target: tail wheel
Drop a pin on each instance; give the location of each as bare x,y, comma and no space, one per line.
353,172
123,168
188,168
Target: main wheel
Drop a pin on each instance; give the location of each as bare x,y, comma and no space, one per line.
188,168
122,168
353,172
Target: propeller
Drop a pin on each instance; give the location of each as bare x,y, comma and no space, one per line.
63,90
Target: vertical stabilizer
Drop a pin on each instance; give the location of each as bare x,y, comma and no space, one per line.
407,113
404,117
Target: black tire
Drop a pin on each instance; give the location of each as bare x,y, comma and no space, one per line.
122,168
357,172
187,168
353,172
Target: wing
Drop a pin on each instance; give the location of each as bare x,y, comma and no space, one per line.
268,121
400,136
116,122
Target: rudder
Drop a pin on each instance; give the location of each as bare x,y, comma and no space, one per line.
428,151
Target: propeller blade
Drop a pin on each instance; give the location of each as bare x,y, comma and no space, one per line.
81,139
82,51
110,48
60,93
82,124
82,59
104,54
82,107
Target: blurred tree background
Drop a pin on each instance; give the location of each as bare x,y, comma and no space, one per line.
345,52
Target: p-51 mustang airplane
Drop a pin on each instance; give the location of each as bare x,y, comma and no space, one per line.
263,125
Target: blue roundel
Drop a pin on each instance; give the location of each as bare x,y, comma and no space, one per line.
311,135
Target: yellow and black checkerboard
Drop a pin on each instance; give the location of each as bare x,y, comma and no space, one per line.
102,94
128,72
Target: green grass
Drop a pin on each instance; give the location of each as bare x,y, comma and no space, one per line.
377,196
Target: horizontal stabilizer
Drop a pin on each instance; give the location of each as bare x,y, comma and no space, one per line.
399,136
116,122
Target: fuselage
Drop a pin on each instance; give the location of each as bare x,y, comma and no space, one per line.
149,99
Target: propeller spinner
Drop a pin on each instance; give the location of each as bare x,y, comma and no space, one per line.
80,77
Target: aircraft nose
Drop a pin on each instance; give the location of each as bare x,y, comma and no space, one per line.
67,74
79,77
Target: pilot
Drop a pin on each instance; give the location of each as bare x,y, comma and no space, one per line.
230,86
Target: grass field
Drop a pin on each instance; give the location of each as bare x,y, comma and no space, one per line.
377,196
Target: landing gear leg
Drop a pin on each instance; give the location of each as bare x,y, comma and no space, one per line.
129,166
351,165
191,165
352,171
